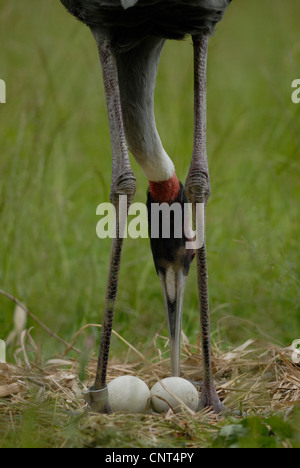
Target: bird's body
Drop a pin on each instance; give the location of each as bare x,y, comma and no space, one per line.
137,35
130,35
129,21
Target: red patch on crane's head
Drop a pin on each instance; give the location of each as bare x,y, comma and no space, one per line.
166,191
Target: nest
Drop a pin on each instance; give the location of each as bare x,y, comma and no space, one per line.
255,377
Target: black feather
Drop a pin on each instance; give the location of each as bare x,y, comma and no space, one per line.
169,19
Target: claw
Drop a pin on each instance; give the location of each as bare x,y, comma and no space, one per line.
210,399
97,401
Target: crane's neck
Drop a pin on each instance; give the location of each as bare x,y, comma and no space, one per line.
137,70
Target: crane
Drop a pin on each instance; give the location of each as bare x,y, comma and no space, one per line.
130,36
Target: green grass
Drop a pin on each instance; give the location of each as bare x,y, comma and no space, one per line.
41,427
55,170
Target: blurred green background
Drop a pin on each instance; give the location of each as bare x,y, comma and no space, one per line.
55,168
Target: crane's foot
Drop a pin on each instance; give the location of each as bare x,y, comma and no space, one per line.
210,399
97,401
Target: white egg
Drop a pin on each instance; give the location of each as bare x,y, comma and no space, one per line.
162,400
128,394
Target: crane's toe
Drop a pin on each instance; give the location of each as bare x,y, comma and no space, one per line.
197,385
210,399
97,401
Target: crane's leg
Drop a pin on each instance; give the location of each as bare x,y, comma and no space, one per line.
198,190
123,183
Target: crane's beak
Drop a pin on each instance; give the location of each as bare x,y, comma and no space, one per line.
173,285
172,258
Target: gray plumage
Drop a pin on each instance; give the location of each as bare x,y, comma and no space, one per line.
129,21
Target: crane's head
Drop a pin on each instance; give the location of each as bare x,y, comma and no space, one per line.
173,252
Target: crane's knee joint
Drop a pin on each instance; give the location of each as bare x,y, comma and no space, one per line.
197,187
124,185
